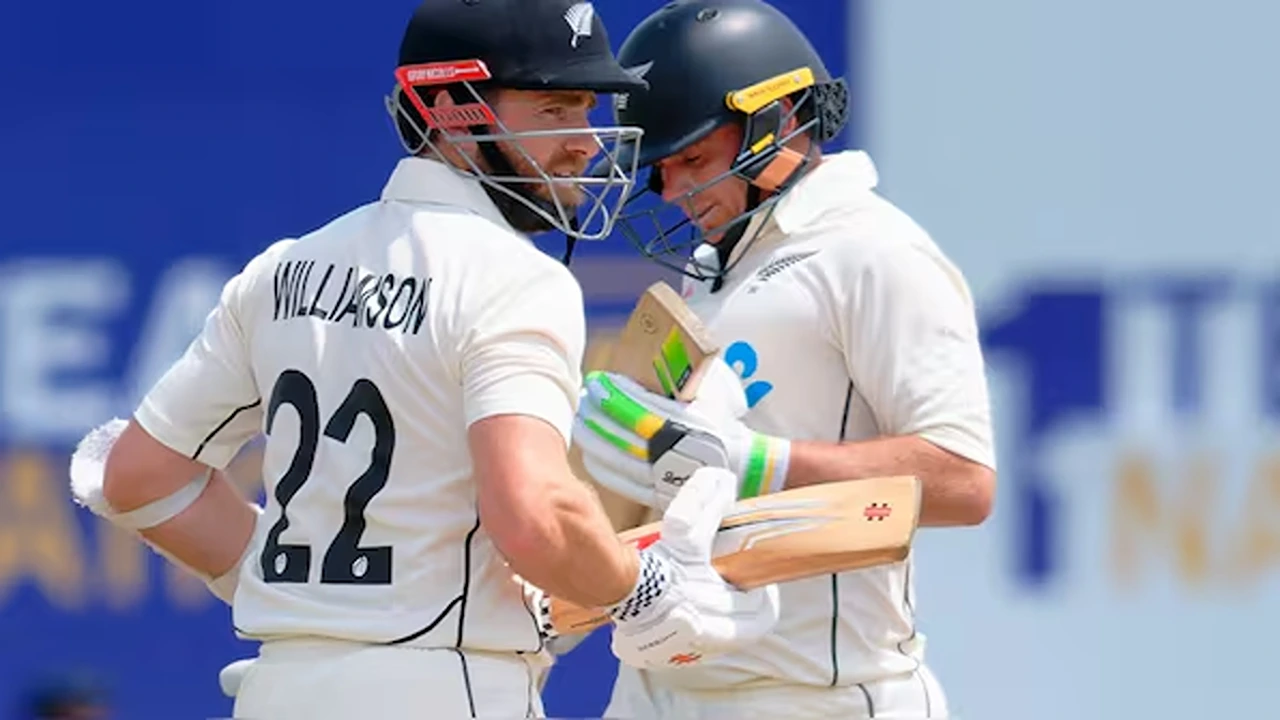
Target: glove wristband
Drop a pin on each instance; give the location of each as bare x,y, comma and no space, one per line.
653,580
765,464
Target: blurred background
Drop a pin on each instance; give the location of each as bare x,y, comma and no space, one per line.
1104,171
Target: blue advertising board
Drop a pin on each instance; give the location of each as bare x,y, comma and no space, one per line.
147,151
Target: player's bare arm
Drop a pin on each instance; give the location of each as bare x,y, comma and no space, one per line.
211,534
548,525
954,490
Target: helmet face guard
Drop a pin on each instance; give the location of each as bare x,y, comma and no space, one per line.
666,235
603,191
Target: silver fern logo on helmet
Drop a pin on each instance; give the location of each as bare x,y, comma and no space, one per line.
640,71
579,18
620,100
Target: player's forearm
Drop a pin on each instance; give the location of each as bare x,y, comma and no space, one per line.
545,522
209,537
955,490
566,546
592,563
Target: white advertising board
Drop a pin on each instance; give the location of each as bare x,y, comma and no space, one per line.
1108,176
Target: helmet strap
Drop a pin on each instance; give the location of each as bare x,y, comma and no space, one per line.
732,236
570,242
765,161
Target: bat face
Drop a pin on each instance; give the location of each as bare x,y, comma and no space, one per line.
796,534
664,345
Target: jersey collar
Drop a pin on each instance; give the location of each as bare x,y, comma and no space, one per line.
425,180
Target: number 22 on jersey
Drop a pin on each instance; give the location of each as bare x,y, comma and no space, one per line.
345,562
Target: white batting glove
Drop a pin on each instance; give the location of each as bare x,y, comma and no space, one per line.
643,446
681,610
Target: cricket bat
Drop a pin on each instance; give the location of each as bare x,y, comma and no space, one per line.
793,535
664,347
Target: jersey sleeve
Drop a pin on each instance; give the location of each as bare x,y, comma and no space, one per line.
522,352
207,406
907,325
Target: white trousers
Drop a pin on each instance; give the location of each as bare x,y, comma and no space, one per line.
916,696
333,680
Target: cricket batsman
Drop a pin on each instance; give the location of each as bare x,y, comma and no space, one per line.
415,367
854,336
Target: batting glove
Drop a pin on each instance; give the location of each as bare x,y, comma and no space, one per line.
681,610
644,446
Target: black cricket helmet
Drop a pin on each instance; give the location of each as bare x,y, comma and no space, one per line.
709,63
467,47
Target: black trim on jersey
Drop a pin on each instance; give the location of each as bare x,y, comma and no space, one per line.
466,581
226,421
924,685
528,693
537,630
461,599
871,706
844,418
835,578
835,620
911,612
466,680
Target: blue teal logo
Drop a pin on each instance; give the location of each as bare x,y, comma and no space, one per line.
742,357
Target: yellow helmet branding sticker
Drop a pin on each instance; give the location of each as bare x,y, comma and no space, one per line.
752,98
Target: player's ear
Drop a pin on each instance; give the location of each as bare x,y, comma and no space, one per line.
442,99
789,112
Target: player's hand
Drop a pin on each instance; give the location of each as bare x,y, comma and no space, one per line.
644,446
681,610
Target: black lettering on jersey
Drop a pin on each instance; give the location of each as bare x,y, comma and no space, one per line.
300,290
418,308
287,277
352,306
279,283
400,302
371,317
368,286
337,305
405,290
316,310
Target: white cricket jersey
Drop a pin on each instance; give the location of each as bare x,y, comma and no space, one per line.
846,322
364,351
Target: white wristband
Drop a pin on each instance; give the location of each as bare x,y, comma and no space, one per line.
164,509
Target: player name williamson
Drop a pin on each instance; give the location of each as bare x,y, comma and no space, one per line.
364,299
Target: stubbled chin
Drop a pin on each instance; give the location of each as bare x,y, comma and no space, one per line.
569,197
713,234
